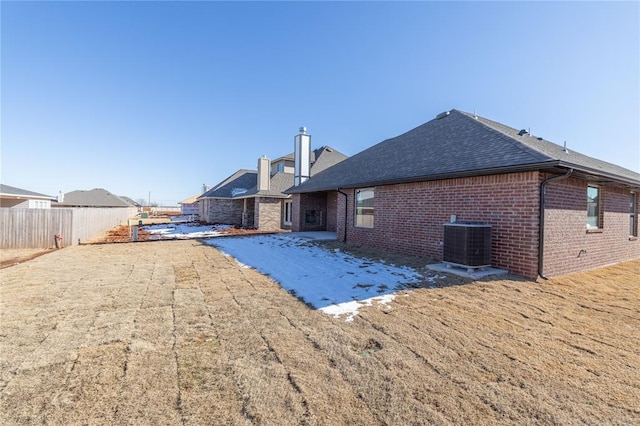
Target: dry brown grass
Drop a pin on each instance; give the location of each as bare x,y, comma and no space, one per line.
175,333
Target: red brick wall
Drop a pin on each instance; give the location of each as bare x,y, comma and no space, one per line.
569,247
409,218
295,212
332,200
308,206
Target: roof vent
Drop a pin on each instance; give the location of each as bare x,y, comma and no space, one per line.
442,115
523,132
564,149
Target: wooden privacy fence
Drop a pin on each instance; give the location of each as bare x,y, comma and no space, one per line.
37,228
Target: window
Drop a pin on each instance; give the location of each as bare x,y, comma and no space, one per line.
39,204
288,206
633,216
593,207
364,208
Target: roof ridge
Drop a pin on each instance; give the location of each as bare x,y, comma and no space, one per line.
524,147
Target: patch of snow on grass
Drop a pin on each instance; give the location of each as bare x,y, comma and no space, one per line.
350,309
330,280
183,230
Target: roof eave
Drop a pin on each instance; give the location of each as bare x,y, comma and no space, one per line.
440,176
597,175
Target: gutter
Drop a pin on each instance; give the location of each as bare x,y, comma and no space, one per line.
346,204
543,187
427,178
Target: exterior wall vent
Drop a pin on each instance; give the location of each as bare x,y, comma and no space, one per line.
467,244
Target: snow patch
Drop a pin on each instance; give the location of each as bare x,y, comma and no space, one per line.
180,231
350,309
329,280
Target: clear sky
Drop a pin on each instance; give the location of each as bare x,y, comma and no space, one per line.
162,97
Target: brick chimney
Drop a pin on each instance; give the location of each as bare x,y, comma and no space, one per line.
302,157
264,174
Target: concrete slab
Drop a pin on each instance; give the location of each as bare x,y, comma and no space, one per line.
316,235
467,272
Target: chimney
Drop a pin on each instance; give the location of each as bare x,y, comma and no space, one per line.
60,197
264,173
302,157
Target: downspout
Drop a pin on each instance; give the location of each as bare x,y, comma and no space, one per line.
543,187
346,204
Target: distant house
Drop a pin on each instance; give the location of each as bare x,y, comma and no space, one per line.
256,198
131,202
552,210
13,197
97,197
189,206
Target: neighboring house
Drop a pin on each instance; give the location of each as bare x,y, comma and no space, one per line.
552,210
189,206
21,198
94,198
131,202
256,199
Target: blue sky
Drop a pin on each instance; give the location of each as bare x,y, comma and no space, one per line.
162,97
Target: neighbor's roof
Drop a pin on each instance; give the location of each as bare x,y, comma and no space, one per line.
458,144
325,157
244,183
97,197
190,200
130,201
7,191
238,183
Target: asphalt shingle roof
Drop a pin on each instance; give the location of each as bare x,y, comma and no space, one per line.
244,183
456,144
13,191
237,184
93,198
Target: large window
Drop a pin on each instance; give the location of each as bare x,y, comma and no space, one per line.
364,207
633,215
593,207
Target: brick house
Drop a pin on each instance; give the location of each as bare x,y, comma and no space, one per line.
552,210
189,206
256,198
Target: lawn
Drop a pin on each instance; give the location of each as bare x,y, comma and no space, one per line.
175,332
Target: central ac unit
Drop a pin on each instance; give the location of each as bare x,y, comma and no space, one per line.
467,244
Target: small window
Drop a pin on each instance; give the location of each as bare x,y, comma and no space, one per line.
633,215
288,209
593,207
364,207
